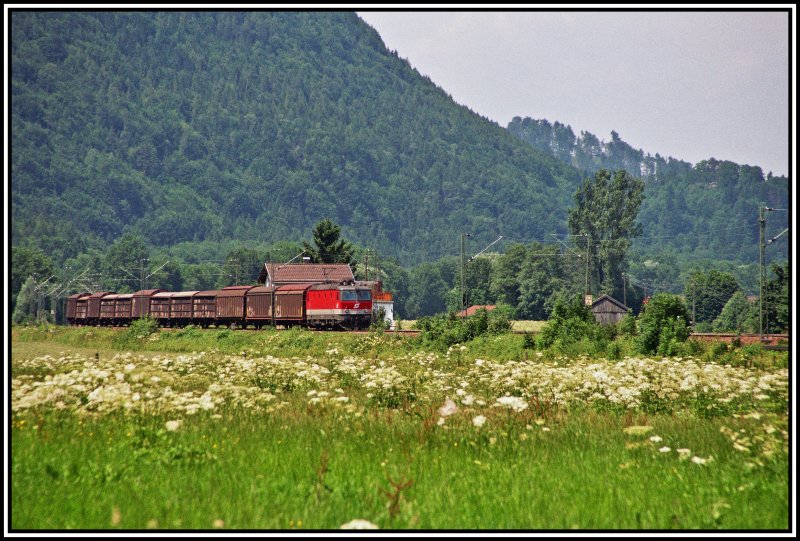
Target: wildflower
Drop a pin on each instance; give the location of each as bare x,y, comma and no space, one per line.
448,409
513,402
440,422
655,439
698,460
684,453
359,524
218,523
664,449
479,421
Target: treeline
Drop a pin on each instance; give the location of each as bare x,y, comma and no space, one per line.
690,212
529,279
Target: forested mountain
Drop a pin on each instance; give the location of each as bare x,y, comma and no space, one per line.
707,210
189,147
254,126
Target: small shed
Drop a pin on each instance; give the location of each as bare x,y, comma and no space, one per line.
608,310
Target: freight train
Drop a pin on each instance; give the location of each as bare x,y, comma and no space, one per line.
344,305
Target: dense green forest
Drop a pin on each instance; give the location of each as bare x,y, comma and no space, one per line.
690,212
253,126
183,149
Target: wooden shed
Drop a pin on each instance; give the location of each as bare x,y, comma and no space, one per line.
608,310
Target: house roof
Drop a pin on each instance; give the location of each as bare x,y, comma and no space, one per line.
603,298
305,273
472,309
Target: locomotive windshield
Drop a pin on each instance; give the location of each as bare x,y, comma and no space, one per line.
355,295
349,295
364,295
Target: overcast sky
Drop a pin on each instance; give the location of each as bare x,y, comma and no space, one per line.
690,85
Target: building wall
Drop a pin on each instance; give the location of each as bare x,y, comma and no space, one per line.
388,307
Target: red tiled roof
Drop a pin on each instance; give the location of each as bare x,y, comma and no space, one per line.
307,273
472,309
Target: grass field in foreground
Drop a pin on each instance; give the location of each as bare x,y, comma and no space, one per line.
209,440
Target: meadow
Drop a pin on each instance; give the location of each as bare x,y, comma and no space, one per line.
222,430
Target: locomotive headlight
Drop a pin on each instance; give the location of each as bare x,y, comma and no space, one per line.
346,311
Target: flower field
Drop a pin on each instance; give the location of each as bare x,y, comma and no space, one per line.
394,437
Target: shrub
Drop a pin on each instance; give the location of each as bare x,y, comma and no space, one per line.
628,325
663,321
570,322
450,329
614,350
143,327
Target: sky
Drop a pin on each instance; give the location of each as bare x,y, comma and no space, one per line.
691,85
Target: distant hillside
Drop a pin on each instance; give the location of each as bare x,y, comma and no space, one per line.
254,126
709,210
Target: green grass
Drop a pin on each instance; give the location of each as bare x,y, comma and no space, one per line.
382,455
272,472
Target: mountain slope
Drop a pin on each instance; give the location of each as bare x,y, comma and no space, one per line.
707,210
254,126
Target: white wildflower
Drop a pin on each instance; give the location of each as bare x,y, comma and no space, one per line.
359,524
513,402
448,409
479,421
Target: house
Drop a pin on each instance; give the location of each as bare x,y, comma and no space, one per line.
608,310
474,308
275,274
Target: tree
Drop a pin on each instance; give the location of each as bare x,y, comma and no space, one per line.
242,266
542,278
738,315
662,322
328,246
128,258
776,299
604,216
26,262
26,302
708,292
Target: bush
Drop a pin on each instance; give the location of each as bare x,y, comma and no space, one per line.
614,350
143,327
450,329
662,323
628,325
570,322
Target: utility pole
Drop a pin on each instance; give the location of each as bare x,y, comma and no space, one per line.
761,224
624,291
463,299
588,242
141,273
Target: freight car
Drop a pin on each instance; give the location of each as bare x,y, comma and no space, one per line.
343,305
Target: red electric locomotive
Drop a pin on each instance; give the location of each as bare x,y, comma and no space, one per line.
339,306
